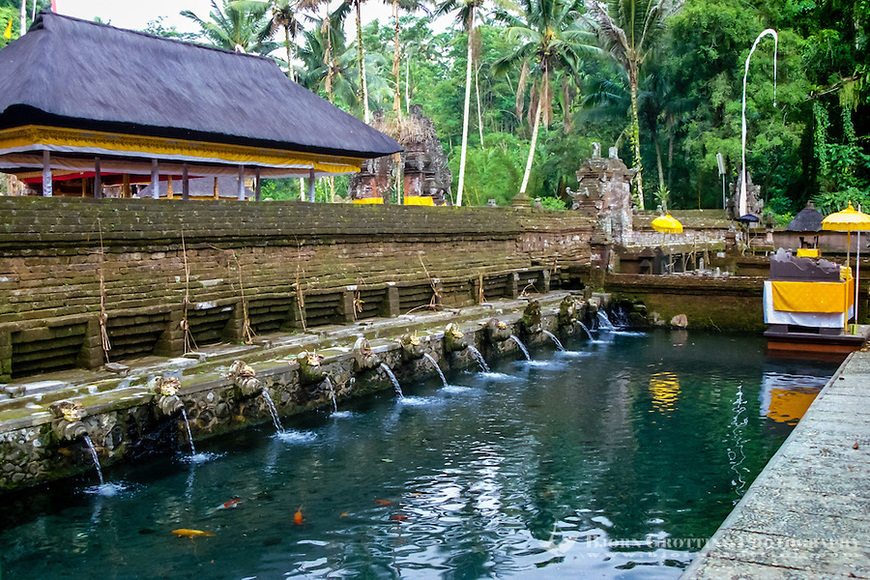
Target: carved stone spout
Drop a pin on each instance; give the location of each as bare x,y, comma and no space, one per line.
570,311
364,358
531,320
67,422
245,379
310,371
166,389
497,331
454,340
411,347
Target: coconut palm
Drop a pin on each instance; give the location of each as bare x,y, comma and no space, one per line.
328,63
238,28
465,11
550,37
627,30
409,6
283,17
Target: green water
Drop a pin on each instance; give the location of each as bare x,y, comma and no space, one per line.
598,462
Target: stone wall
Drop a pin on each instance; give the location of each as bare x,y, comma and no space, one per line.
148,274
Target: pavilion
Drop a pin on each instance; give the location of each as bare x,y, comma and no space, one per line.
86,105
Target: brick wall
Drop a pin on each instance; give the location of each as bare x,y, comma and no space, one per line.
295,264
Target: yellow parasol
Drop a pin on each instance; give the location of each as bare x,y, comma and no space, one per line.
849,220
667,224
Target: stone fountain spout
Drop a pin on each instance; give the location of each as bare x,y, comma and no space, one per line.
454,340
244,378
497,331
67,422
531,320
571,310
364,358
411,347
166,389
310,371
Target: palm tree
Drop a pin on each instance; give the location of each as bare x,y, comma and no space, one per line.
283,17
361,59
627,30
408,6
328,63
550,38
239,28
465,17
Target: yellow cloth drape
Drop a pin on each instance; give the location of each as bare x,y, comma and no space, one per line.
418,200
369,200
823,297
808,253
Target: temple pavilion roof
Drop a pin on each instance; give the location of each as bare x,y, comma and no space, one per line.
82,90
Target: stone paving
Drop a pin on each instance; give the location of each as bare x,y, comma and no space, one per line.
807,515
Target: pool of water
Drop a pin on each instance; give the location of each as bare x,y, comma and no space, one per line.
614,459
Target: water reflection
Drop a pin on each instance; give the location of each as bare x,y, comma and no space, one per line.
576,466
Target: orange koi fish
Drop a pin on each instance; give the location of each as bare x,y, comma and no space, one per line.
383,502
297,517
399,518
186,533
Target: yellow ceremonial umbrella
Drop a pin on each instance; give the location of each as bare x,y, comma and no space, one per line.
849,220
667,224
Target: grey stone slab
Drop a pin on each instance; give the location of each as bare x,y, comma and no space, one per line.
822,557
821,503
722,569
768,518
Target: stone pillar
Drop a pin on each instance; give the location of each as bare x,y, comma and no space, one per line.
234,329
46,174
600,259
155,179
544,281
438,291
91,355
296,314
171,341
346,306
390,305
513,285
98,179
5,356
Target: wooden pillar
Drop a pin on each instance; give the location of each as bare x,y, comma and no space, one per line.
215,191
185,183
98,179
257,193
311,185
125,187
84,186
241,183
155,179
46,174
170,194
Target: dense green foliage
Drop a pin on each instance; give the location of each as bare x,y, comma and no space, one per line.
808,130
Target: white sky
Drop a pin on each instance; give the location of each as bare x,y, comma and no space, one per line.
136,14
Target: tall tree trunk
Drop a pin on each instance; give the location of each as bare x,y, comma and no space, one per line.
408,85
465,114
397,100
479,114
364,86
23,18
534,135
290,72
654,135
634,137
670,155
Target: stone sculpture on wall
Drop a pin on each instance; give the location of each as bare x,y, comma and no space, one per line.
604,191
425,171
754,203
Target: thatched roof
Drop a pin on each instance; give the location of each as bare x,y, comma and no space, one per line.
807,220
72,73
